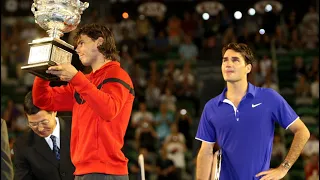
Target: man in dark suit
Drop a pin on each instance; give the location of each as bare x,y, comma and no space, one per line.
44,151
6,164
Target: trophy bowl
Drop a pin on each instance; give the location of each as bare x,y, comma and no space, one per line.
56,17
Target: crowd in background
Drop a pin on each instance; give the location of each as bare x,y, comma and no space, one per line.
161,55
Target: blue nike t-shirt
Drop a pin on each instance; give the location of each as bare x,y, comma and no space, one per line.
244,134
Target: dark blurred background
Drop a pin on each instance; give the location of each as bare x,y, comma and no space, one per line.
174,59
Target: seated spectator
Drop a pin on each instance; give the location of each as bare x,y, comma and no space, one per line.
310,28
184,122
265,65
170,68
188,50
4,71
153,71
162,121
146,136
20,125
269,83
160,44
311,147
126,62
302,87
169,83
143,27
165,167
186,74
169,99
114,27
315,88
312,16
310,39
174,30
291,21
185,89
295,40
10,114
170,76
313,69
152,95
311,168
127,44
255,77
175,144
129,24
140,115
280,39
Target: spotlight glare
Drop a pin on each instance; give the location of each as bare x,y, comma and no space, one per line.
252,12
125,15
262,31
238,15
268,8
205,16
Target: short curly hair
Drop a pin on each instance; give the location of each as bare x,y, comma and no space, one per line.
94,31
29,107
241,48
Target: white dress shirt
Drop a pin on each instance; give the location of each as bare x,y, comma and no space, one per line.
56,133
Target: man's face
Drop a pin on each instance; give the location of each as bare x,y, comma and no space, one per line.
234,67
42,123
87,50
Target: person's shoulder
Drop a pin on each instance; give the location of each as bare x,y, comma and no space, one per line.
270,95
3,124
212,102
116,71
267,92
25,139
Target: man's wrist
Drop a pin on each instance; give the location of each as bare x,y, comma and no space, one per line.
286,165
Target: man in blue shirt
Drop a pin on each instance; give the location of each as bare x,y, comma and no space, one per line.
242,121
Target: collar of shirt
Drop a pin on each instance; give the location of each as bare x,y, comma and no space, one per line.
251,90
56,133
100,71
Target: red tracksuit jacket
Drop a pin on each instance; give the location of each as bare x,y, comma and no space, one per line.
101,104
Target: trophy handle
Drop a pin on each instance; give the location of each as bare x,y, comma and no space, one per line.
83,6
33,8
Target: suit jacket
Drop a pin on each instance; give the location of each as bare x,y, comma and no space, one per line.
33,158
6,164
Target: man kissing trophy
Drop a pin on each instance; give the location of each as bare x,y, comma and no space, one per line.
56,17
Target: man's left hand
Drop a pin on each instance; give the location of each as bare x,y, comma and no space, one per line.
273,174
64,71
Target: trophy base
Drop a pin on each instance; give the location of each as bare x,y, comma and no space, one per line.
47,52
39,69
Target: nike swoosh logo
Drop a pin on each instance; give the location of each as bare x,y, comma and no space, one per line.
255,105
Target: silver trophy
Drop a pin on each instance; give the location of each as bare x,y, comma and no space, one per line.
56,17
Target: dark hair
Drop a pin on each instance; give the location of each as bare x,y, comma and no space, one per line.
241,48
94,31
29,107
